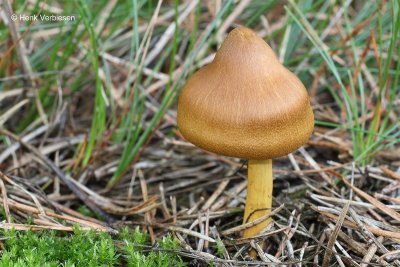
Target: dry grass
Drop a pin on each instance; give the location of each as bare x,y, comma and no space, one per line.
331,208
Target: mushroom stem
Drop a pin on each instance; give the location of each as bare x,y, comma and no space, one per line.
259,195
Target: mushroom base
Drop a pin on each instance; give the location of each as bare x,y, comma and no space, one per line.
259,195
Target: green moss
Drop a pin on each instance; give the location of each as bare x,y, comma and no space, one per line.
84,248
134,251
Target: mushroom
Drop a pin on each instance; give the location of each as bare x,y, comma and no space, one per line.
246,104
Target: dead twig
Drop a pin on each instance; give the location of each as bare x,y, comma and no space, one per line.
60,174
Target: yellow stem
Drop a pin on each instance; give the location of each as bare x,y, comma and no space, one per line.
259,195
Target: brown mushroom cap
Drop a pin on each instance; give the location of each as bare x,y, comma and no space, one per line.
245,104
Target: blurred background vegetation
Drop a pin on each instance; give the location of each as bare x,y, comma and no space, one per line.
106,82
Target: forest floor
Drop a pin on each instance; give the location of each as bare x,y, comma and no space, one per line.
88,136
